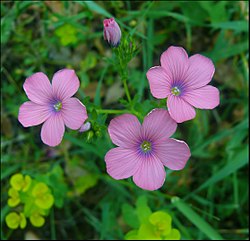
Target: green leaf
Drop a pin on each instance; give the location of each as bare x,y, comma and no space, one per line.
200,147
194,218
7,25
132,235
142,209
85,182
147,232
130,216
174,235
216,10
193,11
237,161
228,51
162,220
97,8
241,25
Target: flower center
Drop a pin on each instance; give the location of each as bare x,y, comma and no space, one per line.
175,91
146,146
58,106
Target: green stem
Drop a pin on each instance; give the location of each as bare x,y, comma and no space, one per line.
126,89
138,114
105,111
132,111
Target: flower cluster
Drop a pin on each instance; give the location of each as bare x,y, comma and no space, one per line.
143,149
31,199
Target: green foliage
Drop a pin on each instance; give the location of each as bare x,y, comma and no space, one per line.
67,34
148,225
87,204
33,198
196,219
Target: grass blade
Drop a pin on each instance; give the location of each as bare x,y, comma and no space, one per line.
239,160
194,218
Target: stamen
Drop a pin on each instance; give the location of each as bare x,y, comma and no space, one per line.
146,146
175,91
58,106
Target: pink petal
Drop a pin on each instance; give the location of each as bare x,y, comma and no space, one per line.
151,174
159,82
158,125
179,109
85,127
106,35
65,83
122,163
32,114
38,88
53,130
174,154
175,62
74,113
207,97
124,130
112,32
200,72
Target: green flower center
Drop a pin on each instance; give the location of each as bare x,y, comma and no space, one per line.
58,106
146,146
175,91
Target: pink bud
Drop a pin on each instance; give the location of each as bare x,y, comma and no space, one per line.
85,127
112,32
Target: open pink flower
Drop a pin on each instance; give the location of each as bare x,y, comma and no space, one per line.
112,32
52,104
184,81
145,149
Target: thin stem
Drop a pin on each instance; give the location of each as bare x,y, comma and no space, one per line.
132,111
105,111
138,114
126,89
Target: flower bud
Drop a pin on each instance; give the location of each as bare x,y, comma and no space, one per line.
112,32
85,127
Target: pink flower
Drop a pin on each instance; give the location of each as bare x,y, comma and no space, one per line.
145,149
52,104
112,32
184,81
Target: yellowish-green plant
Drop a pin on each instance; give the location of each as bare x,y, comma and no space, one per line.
148,225
14,220
67,34
20,182
31,199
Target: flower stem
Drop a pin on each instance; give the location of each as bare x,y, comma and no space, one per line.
105,111
126,89
132,111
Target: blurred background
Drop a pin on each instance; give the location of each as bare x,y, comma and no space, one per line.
88,204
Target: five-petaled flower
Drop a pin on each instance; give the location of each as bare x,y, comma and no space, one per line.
145,149
184,82
112,32
52,104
